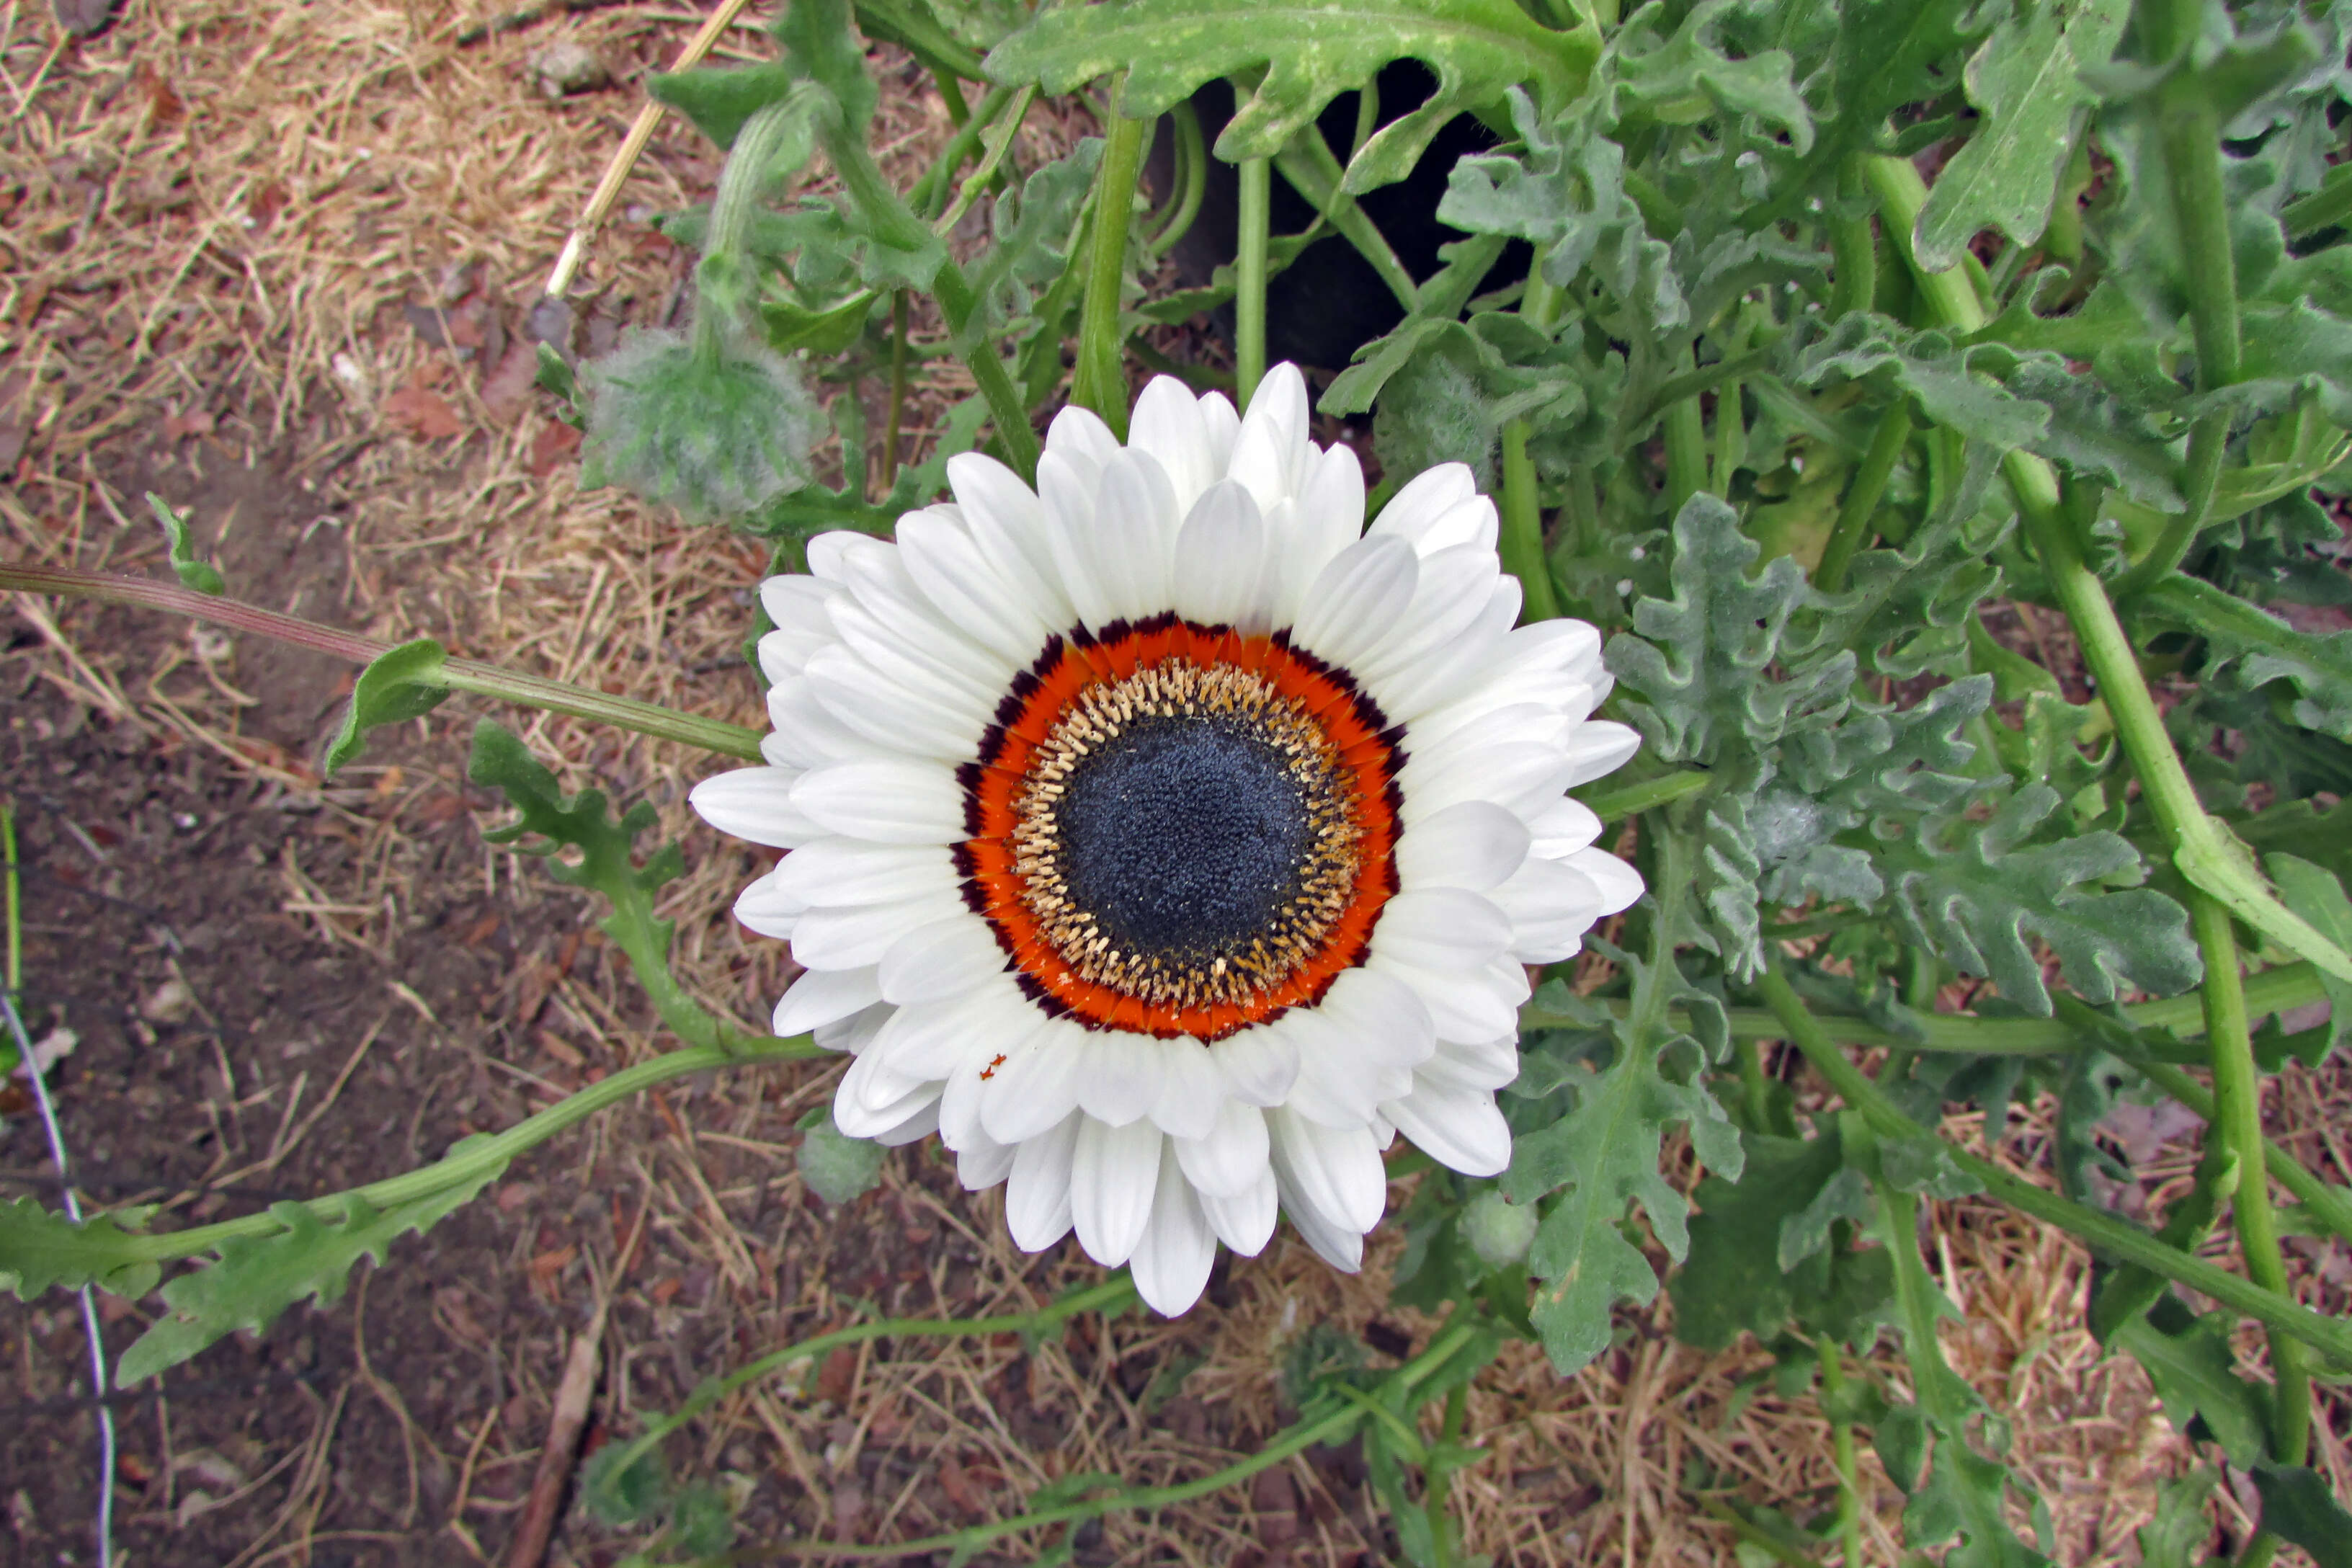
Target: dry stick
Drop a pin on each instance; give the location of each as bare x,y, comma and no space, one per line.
563,1428
616,172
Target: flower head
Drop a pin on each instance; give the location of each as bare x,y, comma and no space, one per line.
1167,841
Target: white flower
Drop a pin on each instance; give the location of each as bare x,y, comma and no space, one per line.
1169,842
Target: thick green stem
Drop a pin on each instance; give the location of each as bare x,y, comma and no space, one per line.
898,388
1249,278
1854,261
2238,1122
456,674
2275,990
2198,847
1522,544
1100,381
1857,514
2103,1231
2200,480
1308,164
489,1154
2329,1205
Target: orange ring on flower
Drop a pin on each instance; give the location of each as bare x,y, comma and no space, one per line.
1342,745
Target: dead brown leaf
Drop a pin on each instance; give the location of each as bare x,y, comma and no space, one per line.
415,411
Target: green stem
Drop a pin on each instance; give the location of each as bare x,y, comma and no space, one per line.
2200,480
1665,789
1771,1545
1686,432
2238,1122
1849,1512
1099,382
486,1155
898,388
456,674
2329,1205
2102,1231
1305,1435
929,194
1308,165
1249,278
1003,111
1192,180
1432,1502
1854,261
2325,207
2200,849
1522,540
2288,986
1857,514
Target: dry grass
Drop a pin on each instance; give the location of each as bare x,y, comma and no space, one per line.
218,221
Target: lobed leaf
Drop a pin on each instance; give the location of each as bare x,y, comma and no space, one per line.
41,1249
399,684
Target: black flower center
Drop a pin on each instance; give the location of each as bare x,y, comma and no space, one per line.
1184,834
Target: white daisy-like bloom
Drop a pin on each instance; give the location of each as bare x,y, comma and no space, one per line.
1166,840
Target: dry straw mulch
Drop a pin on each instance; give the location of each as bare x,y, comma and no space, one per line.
297,246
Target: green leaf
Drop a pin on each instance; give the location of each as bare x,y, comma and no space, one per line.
1449,400
2317,896
2176,1537
2190,1366
399,684
1687,77
833,1165
620,1494
1763,1254
1034,230
257,1277
1982,892
1948,382
2024,81
41,1250
201,575
1605,1152
2298,1506
720,98
1311,53
2266,648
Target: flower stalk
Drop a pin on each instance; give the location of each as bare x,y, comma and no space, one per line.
1098,383
456,674
1249,276
1522,540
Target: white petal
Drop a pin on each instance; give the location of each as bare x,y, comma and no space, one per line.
1037,1086
954,572
942,960
1190,1089
1231,1158
755,804
1167,423
922,1123
1271,450
1220,422
951,676
1134,541
1341,1247
1245,1222
806,733
829,554
1462,1130
1449,599
1113,1177
1008,523
1069,493
1620,884
1219,576
1551,905
1172,1263
1079,433
854,935
856,1033
983,1164
1331,1089
785,652
821,996
838,871
893,714
1440,928
1599,747
1327,516
1336,1172
1120,1081
1457,668
1259,1063
1491,1064
885,801
1561,828
1356,599
766,907
937,1040
1520,776
1465,1005
1388,1028
870,1099
1037,1192
1412,513
1474,844
796,601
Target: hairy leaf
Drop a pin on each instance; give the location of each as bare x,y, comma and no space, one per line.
2266,648
2025,79
257,1277
201,575
1982,892
833,1165
40,1249
1311,53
